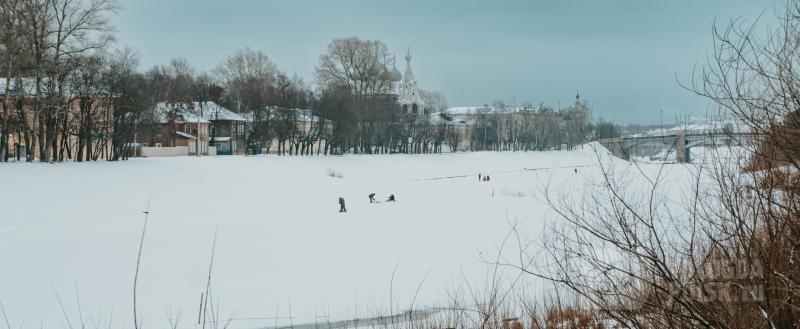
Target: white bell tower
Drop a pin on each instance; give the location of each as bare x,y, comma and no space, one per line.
410,100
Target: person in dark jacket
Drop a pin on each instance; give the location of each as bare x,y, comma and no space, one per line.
372,198
341,205
391,198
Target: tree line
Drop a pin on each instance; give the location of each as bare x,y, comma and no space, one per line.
69,94
504,127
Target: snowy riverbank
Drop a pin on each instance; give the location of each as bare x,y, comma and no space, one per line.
283,248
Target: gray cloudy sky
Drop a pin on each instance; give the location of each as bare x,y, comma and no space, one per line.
622,55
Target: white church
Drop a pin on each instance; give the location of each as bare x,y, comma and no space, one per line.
406,90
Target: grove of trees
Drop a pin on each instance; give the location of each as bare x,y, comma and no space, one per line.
535,129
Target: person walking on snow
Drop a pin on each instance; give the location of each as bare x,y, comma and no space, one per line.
391,198
372,198
341,205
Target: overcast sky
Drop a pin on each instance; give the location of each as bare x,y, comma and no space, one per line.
622,55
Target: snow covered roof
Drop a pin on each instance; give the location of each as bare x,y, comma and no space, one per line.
437,118
213,112
28,85
300,115
461,110
473,110
221,139
191,112
183,134
305,115
181,112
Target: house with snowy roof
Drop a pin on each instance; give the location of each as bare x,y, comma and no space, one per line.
457,131
177,125
205,128
228,128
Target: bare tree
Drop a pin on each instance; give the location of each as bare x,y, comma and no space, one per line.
435,101
131,102
355,64
247,76
10,39
56,33
724,253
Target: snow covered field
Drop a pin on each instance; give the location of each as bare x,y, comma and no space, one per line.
72,230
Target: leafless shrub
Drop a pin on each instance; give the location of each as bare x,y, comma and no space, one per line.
507,192
723,254
333,173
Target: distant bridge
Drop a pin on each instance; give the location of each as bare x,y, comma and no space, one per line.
679,142
387,321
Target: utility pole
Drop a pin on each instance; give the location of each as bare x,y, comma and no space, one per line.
199,114
202,98
214,128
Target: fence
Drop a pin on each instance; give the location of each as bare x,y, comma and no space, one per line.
152,152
